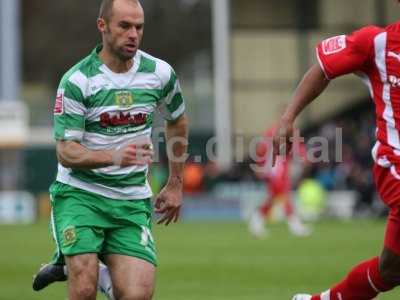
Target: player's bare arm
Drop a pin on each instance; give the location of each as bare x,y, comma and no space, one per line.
73,155
169,201
311,86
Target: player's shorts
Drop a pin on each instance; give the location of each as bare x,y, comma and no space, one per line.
84,222
387,183
277,188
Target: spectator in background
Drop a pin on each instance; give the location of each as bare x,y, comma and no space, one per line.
193,176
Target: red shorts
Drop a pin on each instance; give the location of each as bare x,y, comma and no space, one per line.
276,187
387,182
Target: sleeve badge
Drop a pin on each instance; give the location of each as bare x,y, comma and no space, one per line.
334,44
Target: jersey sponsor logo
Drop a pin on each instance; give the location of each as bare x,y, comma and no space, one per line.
59,105
334,44
121,119
394,81
123,99
394,55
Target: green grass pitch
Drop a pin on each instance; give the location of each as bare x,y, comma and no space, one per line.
213,261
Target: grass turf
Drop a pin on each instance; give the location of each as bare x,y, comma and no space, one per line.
214,261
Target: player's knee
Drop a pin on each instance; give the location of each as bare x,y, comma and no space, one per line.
87,292
389,268
142,292
85,285
390,275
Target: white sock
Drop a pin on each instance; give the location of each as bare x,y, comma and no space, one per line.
104,283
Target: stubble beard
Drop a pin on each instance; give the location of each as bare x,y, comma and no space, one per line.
120,54
118,51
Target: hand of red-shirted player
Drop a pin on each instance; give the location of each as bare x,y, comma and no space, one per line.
282,140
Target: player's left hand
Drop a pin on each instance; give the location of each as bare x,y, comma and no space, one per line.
168,203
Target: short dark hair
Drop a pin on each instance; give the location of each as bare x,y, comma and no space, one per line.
106,9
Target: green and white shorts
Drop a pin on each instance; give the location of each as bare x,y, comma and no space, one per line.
84,222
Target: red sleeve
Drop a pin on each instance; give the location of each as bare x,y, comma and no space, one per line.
346,54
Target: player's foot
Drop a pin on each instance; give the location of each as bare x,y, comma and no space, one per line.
298,228
302,297
48,274
257,226
104,283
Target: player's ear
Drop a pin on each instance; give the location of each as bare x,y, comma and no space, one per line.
101,25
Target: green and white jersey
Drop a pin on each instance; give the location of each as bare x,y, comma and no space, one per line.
104,110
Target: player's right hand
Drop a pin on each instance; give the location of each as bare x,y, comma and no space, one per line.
134,154
282,140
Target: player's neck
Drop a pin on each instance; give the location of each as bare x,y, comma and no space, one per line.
113,62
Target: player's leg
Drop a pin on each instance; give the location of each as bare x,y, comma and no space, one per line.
365,281
272,189
130,256
79,233
389,263
379,274
133,278
257,219
374,276
266,207
53,272
82,276
390,267
295,224
104,284
129,251
48,274
288,205
80,246
256,225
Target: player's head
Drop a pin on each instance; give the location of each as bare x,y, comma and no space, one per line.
121,24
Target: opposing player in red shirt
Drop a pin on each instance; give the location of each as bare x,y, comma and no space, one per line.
373,53
278,185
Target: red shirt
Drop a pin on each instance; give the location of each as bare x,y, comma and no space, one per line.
373,53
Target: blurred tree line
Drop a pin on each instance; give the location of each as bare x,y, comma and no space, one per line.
57,34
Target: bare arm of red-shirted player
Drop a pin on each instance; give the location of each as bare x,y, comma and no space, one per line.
312,85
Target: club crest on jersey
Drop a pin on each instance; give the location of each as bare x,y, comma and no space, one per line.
59,105
69,235
334,44
123,99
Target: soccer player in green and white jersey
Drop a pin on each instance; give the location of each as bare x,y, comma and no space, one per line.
103,118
